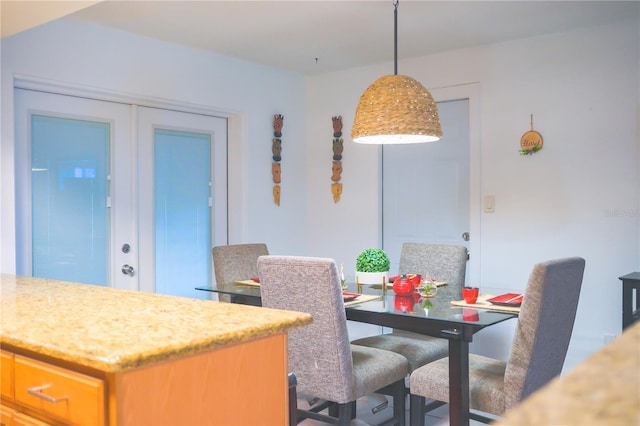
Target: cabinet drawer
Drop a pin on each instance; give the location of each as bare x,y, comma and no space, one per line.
20,419
6,416
6,375
70,396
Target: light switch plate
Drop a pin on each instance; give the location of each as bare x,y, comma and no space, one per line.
489,204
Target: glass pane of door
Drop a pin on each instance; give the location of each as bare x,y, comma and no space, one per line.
181,199
182,177
73,156
69,189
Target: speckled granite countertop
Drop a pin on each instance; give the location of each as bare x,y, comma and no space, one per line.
114,330
603,390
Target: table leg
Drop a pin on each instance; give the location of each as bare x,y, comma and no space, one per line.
458,382
635,311
627,304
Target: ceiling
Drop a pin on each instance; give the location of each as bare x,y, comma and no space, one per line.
313,37
20,15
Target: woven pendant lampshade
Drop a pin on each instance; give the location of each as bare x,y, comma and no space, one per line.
396,109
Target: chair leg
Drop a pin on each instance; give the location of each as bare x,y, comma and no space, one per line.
417,410
334,409
399,398
345,413
433,405
331,418
293,400
480,418
398,392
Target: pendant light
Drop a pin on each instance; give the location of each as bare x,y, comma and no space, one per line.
396,108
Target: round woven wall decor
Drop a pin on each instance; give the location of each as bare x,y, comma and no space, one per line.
531,141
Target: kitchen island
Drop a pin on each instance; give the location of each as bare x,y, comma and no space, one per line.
84,354
602,390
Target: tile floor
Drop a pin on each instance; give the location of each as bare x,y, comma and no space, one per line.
365,417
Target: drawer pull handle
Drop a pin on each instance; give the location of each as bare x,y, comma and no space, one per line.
37,392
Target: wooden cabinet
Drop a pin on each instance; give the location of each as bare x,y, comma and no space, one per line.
59,393
35,388
11,417
21,419
241,384
245,383
6,375
6,416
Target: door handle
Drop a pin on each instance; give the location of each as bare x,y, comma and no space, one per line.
465,236
128,269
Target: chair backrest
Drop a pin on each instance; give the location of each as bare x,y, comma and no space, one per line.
440,261
319,353
237,261
544,327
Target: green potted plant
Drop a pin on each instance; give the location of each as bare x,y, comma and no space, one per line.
372,266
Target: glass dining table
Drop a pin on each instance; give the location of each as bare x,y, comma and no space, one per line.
434,316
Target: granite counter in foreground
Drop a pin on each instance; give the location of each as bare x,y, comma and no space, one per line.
115,330
603,390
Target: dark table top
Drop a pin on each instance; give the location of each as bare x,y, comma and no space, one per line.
631,276
406,312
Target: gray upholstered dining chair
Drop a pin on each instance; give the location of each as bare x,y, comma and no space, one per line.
442,262
236,262
537,352
325,364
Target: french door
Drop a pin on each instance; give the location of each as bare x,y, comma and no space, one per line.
117,194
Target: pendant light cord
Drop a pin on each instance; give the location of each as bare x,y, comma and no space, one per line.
396,109
395,37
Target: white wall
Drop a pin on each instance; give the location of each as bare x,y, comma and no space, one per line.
576,197
88,55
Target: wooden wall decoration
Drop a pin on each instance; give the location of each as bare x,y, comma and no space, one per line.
531,141
276,151
336,166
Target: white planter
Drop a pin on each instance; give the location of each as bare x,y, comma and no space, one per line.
372,277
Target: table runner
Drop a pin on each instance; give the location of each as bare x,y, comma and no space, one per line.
483,304
360,299
251,283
